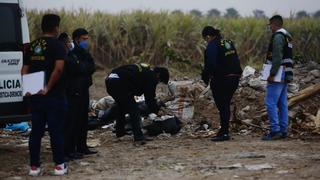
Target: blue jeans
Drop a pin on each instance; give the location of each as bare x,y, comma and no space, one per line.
50,111
276,101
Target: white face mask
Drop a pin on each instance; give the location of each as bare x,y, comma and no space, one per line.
268,28
71,46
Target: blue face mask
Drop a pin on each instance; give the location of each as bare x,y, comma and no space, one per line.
84,44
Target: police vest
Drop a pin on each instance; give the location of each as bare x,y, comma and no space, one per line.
142,66
286,61
228,61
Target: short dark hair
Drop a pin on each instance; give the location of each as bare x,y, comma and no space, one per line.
49,22
277,19
79,32
210,31
63,37
163,74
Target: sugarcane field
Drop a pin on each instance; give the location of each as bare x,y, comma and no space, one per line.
159,90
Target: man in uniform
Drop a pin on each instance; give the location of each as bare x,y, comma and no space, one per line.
48,106
78,90
128,81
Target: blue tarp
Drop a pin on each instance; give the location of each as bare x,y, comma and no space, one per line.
23,126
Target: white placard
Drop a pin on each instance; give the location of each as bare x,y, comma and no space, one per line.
10,62
10,88
33,82
266,72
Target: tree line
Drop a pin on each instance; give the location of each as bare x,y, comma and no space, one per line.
233,13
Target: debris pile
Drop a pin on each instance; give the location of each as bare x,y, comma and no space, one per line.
249,113
191,102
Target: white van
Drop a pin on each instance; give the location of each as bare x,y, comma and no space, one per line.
14,39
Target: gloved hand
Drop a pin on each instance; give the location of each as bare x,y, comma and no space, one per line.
205,78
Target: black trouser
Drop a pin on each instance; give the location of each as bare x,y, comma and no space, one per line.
223,90
82,122
50,111
125,100
72,123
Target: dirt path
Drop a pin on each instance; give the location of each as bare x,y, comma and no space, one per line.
176,158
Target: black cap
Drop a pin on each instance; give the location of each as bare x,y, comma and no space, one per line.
163,74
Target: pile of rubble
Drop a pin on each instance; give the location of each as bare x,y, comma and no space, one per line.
249,114
192,103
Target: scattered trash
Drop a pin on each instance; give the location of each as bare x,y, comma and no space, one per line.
108,126
233,166
258,84
250,155
257,167
178,167
315,73
293,88
168,124
182,108
283,172
83,163
93,142
21,127
248,71
187,98
103,103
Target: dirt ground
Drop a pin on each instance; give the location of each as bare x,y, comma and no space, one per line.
177,157
172,157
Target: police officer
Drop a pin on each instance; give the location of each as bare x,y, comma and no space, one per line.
127,81
79,88
276,100
49,106
71,70
222,69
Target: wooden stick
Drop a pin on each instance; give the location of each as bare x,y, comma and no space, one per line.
254,125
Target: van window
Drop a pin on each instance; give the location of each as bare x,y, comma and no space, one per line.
10,31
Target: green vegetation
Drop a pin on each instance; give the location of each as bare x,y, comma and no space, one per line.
174,39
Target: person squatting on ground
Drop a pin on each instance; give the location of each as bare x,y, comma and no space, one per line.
49,106
279,54
79,80
222,69
127,81
71,123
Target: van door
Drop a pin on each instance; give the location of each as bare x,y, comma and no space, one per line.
12,106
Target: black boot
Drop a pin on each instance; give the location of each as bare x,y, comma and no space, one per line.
221,137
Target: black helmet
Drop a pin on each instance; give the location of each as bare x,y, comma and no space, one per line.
163,74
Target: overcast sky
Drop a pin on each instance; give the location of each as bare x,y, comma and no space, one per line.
245,7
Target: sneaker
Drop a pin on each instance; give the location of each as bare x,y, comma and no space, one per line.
34,171
221,137
271,136
60,169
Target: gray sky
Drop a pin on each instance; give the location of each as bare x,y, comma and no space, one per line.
245,7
